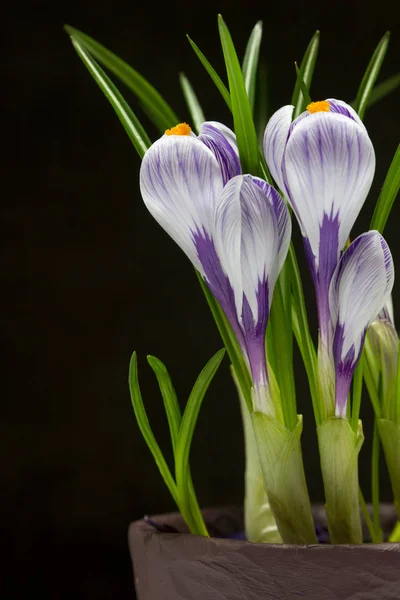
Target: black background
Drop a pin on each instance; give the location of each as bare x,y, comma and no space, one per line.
89,276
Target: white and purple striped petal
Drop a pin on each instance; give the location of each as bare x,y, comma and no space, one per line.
324,162
361,284
222,142
282,217
248,239
275,139
180,182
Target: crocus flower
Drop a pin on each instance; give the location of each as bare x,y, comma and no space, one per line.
234,228
324,163
360,286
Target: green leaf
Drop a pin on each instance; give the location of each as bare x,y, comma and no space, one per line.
383,89
242,116
281,339
357,392
302,331
307,67
145,428
130,122
370,75
303,88
250,62
388,194
212,72
230,343
261,113
192,102
170,399
375,481
157,109
186,431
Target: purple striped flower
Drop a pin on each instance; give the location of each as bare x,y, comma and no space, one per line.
234,228
360,286
324,163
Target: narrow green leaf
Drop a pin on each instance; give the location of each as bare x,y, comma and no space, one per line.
145,428
261,114
242,116
302,331
192,102
230,343
303,88
250,62
281,339
367,518
388,194
397,394
157,109
212,73
370,75
382,90
186,431
375,482
307,67
371,387
357,392
130,122
170,399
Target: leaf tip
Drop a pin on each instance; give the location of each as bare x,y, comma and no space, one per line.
68,29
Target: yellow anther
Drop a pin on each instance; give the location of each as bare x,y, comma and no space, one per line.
321,106
181,129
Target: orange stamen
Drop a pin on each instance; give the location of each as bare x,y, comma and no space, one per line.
181,129
321,106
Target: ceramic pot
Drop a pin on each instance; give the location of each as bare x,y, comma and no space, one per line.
171,564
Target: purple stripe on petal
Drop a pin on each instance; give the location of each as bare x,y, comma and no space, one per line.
222,149
328,257
340,107
344,369
282,217
254,333
216,280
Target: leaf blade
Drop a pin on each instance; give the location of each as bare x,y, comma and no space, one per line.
157,109
370,75
250,62
170,399
212,73
388,194
145,428
189,419
242,116
127,117
192,102
307,67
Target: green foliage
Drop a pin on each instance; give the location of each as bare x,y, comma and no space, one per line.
250,62
181,430
241,110
370,75
388,195
212,73
196,112
154,105
304,78
130,122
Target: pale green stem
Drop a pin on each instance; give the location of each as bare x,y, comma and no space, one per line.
339,447
389,432
259,522
282,467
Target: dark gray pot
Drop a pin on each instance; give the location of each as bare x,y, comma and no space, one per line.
171,565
